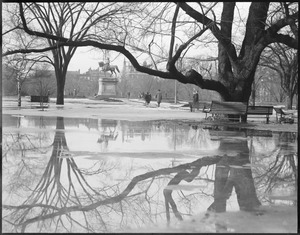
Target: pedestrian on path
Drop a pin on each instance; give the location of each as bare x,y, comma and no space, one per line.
148,98
158,97
195,97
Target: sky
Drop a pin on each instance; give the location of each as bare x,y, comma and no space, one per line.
85,58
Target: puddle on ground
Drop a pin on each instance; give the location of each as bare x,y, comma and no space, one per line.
92,175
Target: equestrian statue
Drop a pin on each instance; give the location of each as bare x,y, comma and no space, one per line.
107,67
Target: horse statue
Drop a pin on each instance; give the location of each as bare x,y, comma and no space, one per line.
107,67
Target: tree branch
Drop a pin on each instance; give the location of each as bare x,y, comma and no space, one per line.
285,39
273,35
173,29
212,26
197,79
27,51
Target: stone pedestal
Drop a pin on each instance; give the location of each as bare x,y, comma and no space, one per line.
107,87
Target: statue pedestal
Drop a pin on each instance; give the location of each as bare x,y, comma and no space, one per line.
107,87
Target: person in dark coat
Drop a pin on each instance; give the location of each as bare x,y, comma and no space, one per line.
195,103
148,98
195,97
158,97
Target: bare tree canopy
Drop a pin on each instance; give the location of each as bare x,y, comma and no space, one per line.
284,62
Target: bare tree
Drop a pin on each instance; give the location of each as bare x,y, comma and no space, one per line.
71,20
262,74
20,68
284,61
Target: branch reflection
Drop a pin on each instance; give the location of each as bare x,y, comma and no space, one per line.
67,199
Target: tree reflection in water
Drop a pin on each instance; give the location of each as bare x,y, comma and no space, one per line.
233,172
19,146
51,197
277,178
76,205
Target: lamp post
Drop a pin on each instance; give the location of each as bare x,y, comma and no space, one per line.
175,87
175,98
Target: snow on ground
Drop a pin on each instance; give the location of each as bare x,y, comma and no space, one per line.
275,219
132,109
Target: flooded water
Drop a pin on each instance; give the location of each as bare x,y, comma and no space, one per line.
92,175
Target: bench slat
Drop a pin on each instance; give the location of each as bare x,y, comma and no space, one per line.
236,108
279,111
200,105
37,98
260,110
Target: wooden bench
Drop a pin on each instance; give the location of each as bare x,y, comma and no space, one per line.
227,108
199,105
40,99
281,115
260,110
204,106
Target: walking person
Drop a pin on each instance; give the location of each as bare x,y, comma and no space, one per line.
195,96
158,97
148,98
195,103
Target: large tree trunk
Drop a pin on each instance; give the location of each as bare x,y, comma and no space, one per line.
289,101
253,94
60,83
237,73
60,92
61,61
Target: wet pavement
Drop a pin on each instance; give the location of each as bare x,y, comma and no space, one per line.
62,174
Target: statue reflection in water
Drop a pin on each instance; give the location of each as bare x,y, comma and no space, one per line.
108,132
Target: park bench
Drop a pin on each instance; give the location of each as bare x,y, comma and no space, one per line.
204,106
284,115
261,110
39,98
228,108
38,101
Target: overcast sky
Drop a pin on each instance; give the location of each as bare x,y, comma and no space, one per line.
88,57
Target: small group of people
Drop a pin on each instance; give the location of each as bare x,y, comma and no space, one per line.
158,97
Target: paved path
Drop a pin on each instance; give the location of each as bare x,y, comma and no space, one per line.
132,109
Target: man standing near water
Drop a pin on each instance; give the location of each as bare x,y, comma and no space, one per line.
195,96
158,97
147,98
